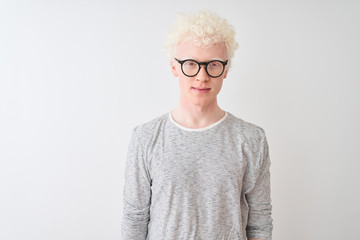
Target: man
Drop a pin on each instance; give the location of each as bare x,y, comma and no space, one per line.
198,172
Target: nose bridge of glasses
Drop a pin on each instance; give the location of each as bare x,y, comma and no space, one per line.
203,72
205,64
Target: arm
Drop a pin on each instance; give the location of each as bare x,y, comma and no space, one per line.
137,194
259,219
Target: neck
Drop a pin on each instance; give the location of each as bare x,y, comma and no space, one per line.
191,116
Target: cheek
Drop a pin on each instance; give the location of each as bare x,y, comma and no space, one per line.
219,85
184,85
217,88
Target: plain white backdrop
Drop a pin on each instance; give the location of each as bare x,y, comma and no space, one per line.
77,76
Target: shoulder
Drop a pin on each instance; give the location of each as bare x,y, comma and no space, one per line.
252,140
147,131
151,125
246,130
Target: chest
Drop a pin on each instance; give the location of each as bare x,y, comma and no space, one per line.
208,162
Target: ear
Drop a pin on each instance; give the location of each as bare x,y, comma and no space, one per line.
227,67
173,68
225,72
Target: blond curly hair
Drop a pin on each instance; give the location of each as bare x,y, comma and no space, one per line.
203,29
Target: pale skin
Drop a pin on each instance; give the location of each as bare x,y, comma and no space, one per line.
198,106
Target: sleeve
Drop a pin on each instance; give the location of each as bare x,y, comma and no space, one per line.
258,199
136,194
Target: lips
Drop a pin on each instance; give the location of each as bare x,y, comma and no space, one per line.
201,90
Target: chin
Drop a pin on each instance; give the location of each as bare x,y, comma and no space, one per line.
202,102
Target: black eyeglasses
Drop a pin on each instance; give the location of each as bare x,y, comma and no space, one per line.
191,68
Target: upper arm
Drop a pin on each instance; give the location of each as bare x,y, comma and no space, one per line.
137,193
258,198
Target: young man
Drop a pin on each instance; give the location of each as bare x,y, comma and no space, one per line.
198,172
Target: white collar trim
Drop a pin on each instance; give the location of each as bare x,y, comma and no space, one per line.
198,129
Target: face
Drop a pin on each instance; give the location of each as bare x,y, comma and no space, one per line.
200,90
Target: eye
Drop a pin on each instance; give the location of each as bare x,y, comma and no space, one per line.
215,64
190,64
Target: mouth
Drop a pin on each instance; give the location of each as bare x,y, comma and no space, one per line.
201,90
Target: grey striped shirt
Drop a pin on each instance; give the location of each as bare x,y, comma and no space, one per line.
205,184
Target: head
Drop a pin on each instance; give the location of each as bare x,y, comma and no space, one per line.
202,37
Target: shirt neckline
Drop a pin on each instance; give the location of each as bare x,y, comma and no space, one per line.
198,129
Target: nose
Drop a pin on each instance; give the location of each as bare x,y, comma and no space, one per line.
202,75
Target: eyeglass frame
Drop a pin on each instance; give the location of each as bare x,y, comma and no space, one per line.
224,63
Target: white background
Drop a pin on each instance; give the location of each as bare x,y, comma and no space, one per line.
77,76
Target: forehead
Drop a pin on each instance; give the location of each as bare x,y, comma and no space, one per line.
217,51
